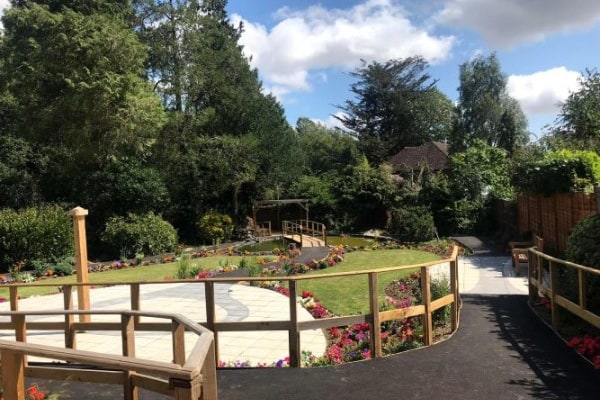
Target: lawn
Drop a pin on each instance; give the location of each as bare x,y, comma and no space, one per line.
349,295
342,296
155,272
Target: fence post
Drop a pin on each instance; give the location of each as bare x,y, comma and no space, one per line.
12,370
294,335
375,329
81,261
582,289
130,391
134,290
14,300
554,289
454,290
211,314
426,295
68,306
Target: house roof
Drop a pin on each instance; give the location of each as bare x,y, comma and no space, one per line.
435,154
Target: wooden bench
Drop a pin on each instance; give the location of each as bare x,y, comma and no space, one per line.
519,251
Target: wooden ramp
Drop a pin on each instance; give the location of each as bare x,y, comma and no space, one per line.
305,240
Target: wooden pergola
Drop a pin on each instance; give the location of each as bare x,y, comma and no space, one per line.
262,204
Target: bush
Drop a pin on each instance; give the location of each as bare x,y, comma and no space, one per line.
583,249
135,234
413,224
40,233
215,227
440,288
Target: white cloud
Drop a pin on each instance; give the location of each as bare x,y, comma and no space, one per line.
544,91
3,6
506,23
303,43
332,122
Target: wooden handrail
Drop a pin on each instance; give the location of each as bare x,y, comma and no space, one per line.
184,378
539,286
293,326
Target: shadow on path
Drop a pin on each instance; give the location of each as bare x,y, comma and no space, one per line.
501,351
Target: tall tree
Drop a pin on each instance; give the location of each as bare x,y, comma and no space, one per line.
485,110
578,124
393,100
325,149
75,75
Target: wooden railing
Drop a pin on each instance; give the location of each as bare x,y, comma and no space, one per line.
293,326
305,227
544,281
184,378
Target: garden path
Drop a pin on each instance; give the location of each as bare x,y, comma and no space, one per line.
501,351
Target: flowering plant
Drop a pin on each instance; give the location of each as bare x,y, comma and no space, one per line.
588,347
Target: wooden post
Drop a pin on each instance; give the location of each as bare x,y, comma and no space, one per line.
554,289
12,370
178,336
209,374
68,306
130,391
426,296
211,314
582,289
454,290
375,329
14,300
294,335
81,261
135,300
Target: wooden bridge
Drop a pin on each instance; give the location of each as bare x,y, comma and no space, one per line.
306,233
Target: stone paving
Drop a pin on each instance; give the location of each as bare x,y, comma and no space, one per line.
234,302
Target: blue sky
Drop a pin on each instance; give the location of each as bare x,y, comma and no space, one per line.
304,49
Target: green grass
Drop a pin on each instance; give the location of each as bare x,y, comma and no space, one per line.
349,295
353,241
266,245
342,296
155,272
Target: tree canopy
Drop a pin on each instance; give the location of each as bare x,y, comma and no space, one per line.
394,107
485,111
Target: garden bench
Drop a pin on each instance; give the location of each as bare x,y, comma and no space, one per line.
519,251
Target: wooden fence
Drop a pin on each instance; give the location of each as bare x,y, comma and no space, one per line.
553,217
293,326
545,280
190,378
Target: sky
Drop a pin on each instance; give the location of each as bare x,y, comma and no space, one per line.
304,50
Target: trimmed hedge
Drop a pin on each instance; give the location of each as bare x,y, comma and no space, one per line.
148,234
36,233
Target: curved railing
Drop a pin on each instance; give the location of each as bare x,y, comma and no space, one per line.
305,227
294,326
543,278
185,378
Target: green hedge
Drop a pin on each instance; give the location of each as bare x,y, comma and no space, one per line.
148,234
559,172
37,233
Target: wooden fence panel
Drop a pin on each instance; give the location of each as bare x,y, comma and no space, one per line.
553,217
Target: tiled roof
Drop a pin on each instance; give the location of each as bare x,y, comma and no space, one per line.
435,154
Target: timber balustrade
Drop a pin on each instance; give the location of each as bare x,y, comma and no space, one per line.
547,278
184,378
207,345
305,227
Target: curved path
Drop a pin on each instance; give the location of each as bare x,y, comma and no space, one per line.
501,351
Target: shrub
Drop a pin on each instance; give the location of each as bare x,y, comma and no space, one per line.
583,249
559,172
215,227
40,233
413,224
440,288
148,234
